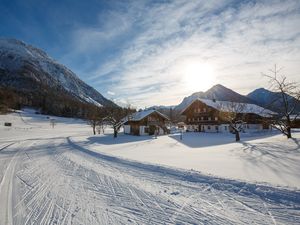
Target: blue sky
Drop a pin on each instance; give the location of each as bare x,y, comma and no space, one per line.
146,53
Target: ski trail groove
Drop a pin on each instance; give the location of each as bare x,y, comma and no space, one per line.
59,182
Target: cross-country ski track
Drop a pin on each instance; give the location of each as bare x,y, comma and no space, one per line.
54,180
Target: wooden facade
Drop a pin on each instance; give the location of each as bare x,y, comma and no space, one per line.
199,114
152,123
295,121
201,117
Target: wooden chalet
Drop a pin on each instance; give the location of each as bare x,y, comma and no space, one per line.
146,122
205,115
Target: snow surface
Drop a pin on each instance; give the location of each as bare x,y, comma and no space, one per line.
271,159
63,175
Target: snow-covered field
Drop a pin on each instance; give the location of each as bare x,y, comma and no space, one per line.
63,175
272,159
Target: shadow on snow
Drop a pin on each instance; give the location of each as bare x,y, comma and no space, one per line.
198,140
267,193
108,139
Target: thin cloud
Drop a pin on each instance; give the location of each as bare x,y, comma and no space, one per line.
111,93
240,40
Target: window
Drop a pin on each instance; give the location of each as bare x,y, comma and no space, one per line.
217,128
225,127
216,118
146,129
208,127
198,119
195,110
202,118
209,118
204,109
193,119
189,119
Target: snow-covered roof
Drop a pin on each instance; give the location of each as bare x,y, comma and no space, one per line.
227,106
142,114
292,117
295,116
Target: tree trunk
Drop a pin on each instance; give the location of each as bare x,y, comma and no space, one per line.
237,136
289,133
94,130
115,132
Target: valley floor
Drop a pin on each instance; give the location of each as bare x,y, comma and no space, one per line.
64,176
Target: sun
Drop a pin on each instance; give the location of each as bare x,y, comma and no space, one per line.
198,76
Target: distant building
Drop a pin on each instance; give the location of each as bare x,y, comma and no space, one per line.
146,122
181,125
204,115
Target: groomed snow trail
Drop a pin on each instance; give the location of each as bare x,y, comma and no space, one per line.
57,181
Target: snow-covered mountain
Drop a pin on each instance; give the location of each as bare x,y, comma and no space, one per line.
27,69
218,92
161,107
270,100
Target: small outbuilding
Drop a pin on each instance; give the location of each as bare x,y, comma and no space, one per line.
146,122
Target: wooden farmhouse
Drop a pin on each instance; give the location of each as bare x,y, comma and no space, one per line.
205,115
146,122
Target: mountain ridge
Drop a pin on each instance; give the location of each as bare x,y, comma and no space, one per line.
260,96
218,92
26,68
271,100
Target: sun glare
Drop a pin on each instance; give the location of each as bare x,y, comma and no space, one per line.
198,76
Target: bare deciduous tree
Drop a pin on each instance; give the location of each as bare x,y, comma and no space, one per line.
286,102
99,117
233,113
93,122
115,123
101,126
93,118
115,116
